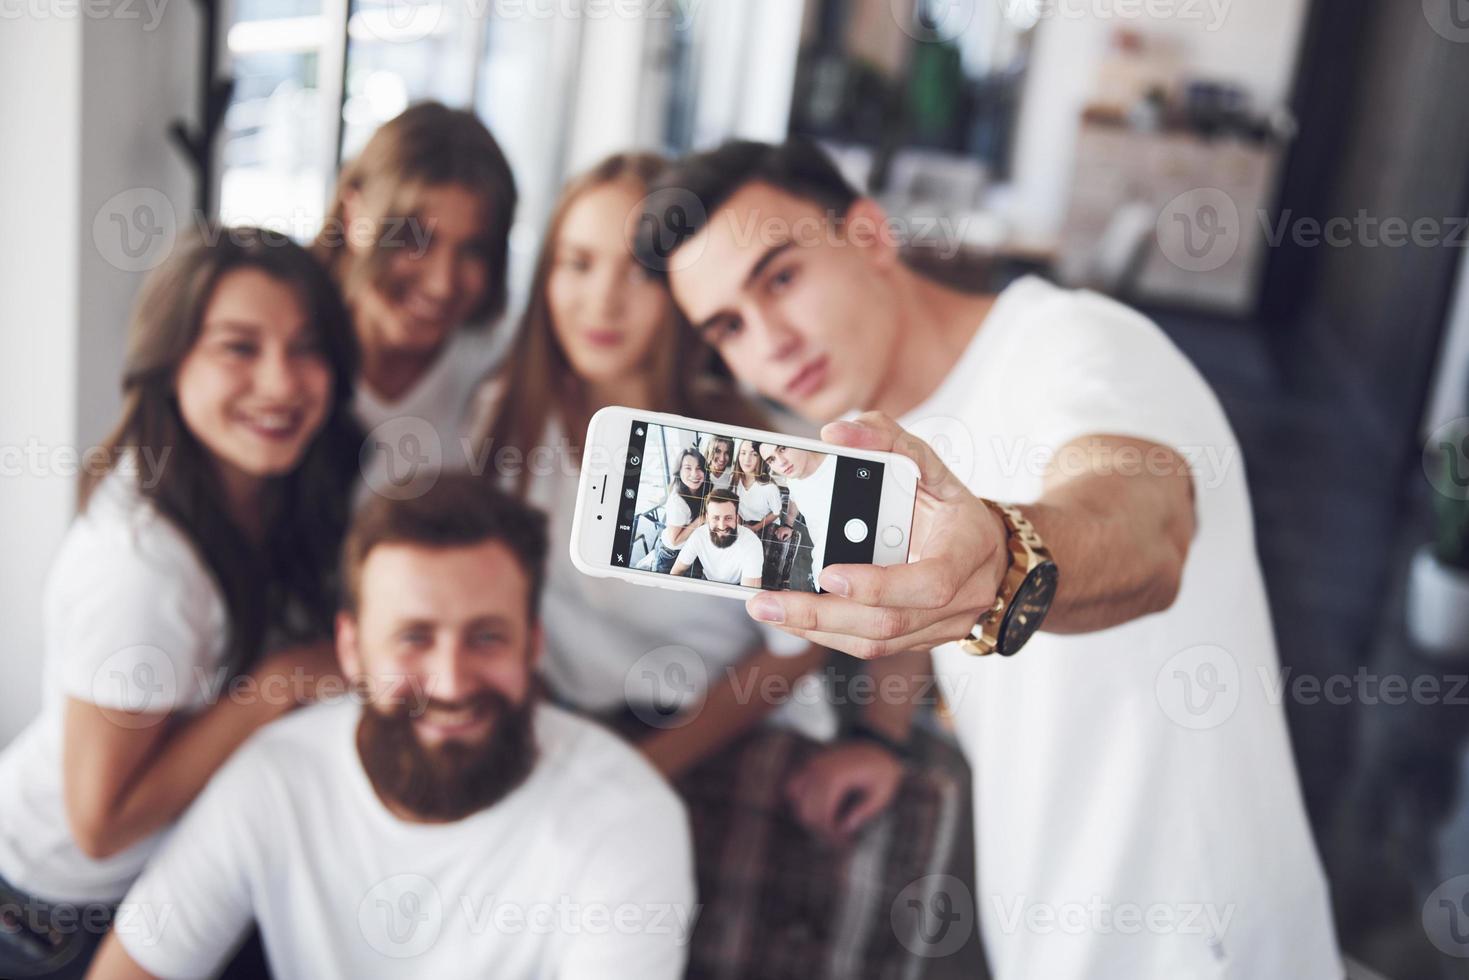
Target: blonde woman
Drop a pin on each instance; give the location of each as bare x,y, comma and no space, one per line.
417,239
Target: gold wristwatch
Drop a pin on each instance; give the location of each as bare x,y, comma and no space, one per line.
1025,593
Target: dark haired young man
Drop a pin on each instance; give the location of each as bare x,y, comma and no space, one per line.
1137,810
451,826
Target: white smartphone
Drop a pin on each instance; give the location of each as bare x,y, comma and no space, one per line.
685,504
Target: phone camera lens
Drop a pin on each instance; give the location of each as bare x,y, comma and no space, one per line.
863,473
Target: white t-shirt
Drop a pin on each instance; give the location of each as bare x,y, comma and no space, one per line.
758,500
132,620
723,480
676,516
1109,785
610,643
741,560
583,871
430,425
813,497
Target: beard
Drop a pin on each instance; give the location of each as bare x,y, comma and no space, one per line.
452,780
723,539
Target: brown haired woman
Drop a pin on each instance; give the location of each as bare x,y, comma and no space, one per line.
417,238
202,556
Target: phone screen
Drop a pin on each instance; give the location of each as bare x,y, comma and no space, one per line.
706,504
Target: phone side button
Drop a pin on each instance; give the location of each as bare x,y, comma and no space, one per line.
892,536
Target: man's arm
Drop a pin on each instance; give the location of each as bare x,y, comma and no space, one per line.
742,696
192,904
850,782
1119,535
112,962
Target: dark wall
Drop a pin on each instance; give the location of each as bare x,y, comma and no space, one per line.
1384,106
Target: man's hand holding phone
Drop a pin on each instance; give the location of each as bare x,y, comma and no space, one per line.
956,564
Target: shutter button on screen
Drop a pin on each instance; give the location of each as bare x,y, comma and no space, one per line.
892,536
856,530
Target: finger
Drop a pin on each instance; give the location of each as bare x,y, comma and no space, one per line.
834,614
796,785
873,430
832,794
856,817
929,583
950,629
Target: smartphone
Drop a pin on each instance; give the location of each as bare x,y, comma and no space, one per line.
685,504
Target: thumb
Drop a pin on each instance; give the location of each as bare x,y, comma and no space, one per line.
876,431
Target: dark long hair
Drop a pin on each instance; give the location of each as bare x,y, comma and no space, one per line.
694,498
287,581
539,382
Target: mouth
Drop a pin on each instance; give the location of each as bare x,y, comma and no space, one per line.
274,425
603,338
425,313
810,379
441,724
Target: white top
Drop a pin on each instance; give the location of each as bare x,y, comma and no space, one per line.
741,560
583,871
1144,769
758,500
676,516
132,620
813,496
610,643
723,480
431,423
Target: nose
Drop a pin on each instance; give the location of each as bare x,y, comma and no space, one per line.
452,676
436,272
609,293
276,376
778,342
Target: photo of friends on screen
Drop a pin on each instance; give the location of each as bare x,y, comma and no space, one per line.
729,510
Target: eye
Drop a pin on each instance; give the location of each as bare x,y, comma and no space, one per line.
483,639
722,331
415,638
782,279
309,347
241,348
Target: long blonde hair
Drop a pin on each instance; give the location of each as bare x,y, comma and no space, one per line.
426,145
539,382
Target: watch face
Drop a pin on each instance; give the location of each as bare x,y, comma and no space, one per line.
1028,609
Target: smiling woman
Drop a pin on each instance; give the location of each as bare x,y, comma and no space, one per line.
175,581
417,239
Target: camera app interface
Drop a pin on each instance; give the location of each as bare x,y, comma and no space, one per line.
762,515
